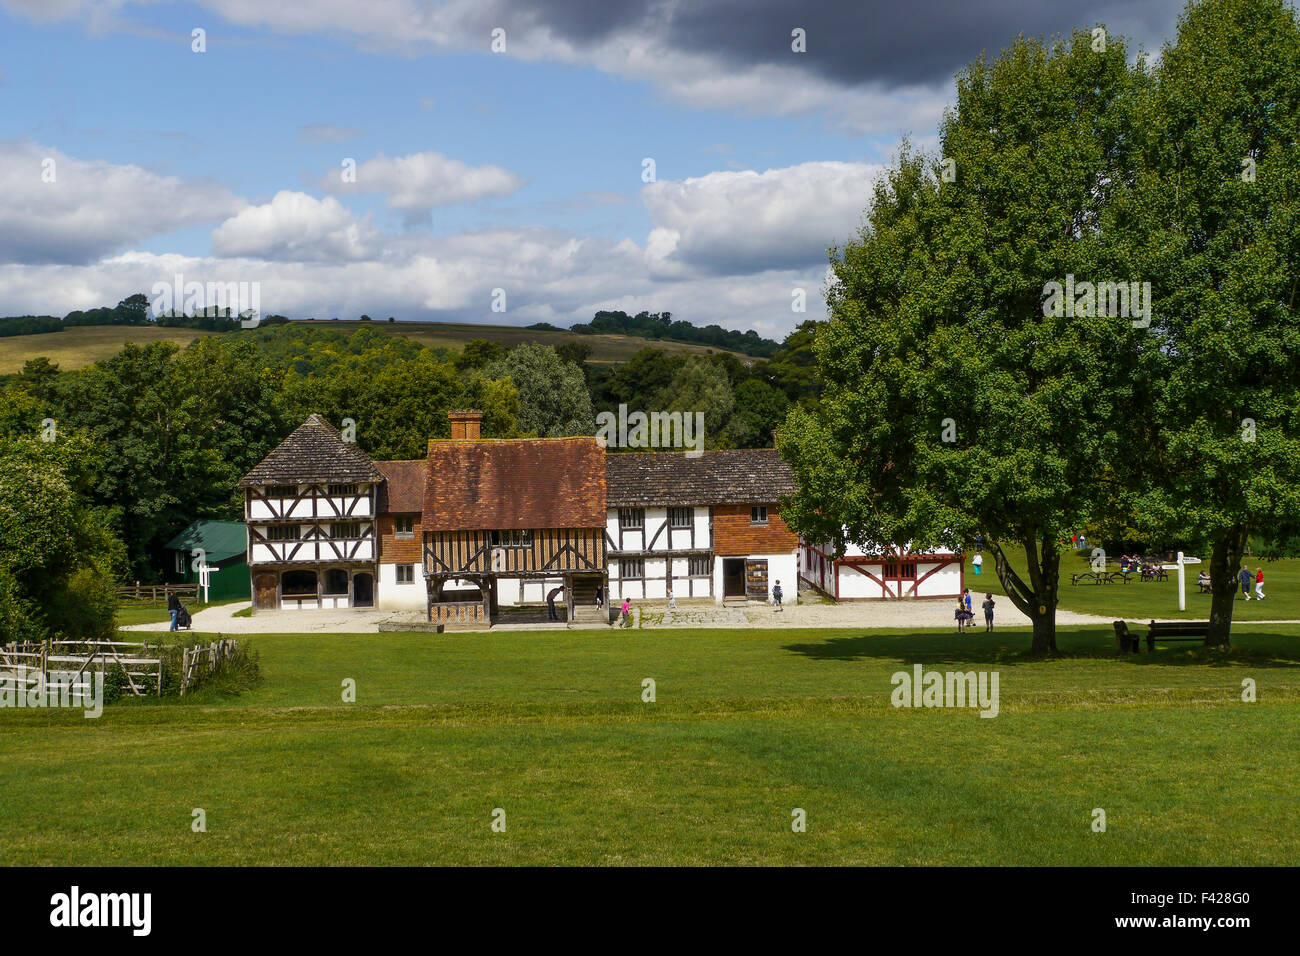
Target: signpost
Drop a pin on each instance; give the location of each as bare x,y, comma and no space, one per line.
1182,588
205,579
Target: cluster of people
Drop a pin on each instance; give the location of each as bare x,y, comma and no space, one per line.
965,611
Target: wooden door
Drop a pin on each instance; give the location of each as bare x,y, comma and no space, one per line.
756,579
264,589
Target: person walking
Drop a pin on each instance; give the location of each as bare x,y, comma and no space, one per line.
776,597
672,601
626,612
977,563
1259,584
173,606
1245,577
988,611
967,601
600,596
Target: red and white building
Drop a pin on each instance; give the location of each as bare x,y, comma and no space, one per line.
851,573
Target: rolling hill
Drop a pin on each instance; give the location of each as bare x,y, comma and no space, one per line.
79,346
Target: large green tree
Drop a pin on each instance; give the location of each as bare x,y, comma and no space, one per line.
1218,205
952,404
553,396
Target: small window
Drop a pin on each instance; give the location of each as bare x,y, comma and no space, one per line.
404,526
345,529
282,491
180,562
900,570
339,491
631,568
513,538
405,574
631,519
699,567
681,517
758,514
283,532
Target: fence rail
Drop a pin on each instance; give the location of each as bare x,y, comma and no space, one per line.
156,593
142,664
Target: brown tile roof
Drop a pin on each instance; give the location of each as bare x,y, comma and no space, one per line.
520,483
403,492
314,452
754,475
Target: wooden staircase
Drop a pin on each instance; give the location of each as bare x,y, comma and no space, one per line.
584,603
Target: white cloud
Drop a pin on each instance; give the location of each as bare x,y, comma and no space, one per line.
420,182
547,276
92,208
295,227
739,222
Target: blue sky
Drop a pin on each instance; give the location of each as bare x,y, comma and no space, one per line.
477,170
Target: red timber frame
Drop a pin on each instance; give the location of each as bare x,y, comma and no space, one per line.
873,567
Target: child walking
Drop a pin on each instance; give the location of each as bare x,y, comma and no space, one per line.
988,611
1259,584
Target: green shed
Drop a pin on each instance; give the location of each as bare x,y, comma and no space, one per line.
225,544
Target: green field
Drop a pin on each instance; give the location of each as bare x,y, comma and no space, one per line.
84,345
605,349
1142,601
80,346
748,725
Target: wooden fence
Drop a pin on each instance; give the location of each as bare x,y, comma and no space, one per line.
52,661
204,659
59,662
156,593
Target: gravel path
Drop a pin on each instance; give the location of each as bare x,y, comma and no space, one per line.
913,613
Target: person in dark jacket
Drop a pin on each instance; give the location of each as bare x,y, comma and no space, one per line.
776,597
174,606
1246,579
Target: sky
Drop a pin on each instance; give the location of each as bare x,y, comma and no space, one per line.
494,161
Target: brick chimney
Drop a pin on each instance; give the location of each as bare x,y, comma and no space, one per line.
465,425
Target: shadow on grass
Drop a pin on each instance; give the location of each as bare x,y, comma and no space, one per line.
1011,647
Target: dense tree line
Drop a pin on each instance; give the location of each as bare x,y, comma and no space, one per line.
661,325
137,446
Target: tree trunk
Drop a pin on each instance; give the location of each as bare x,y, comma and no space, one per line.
1225,565
1037,597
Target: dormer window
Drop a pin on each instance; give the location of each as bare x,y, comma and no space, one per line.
342,491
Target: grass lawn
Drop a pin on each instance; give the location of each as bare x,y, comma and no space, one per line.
748,725
136,613
1138,601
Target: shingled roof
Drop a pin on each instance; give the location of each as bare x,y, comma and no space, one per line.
403,492
715,478
314,452
514,484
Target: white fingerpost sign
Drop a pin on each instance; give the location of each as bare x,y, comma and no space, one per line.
1183,561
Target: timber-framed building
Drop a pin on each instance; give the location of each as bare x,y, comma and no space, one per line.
481,524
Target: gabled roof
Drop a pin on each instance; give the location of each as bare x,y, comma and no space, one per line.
315,452
403,492
750,475
514,484
219,539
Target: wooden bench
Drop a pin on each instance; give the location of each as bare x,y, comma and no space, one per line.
1121,576
1176,631
1126,641
1088,577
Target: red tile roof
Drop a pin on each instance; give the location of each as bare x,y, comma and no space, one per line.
403,492
515,484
